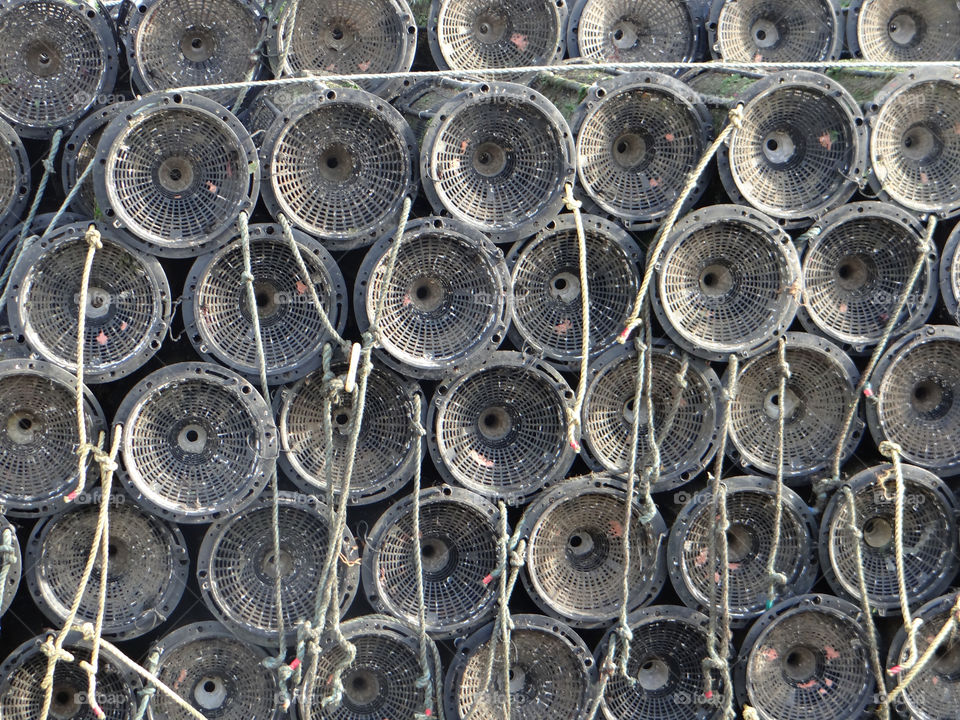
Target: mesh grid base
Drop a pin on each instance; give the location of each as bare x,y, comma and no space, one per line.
916,383
914,150
750,508
819,391
551,674
497,156
687,444
765,30
180,43
217,674
501,430
62,59
236,567
725,283
807,657
574,568
666,652
472,35
384,460
38,466
128,303
216,306
903,30
448,303
801,149
638,137
931,557
345,37
855,271
950,276
147,570
338,166
547,298
198,442
635,30
21,696
381,680
935,690
15,176
175,172
458,540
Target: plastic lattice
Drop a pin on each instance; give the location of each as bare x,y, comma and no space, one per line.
725,282
216,307
15,177
236,567
471,35
547,303
935,691
931,557
916,383
348,36
38,465
61,59
768,30
638,138
898,30
819,391
79,151
179,43
497,156
381,680
801,149
914,149
338,165
384,459
21,696
807,657
128,303
216,673
551,674
198,441
176,175
950,276
146,572
687,442
459,544
448,303
501,430
634,30
855,272
666,660
751,506
574,568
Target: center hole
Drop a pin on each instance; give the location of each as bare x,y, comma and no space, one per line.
175,174
490,420
877,532
196,43
262,299
621,147
761,35
772,145
62,697
576,541
483,158
193,435
709,279
484,28
428,551
423,292
25,423
921,393
618,35
358,683
209,686
342,419
845,271
111,550
560,283
332,162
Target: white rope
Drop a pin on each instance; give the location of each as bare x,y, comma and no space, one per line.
575,414
951,624
778,578
633,321
508,72
910,625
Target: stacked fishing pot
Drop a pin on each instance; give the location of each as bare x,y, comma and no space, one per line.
539,359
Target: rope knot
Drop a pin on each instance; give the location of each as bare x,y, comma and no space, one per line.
55,653
93,238
736,116
890,449
247,277
569,200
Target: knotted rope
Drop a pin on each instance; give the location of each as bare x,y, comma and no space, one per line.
575,413
778,578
